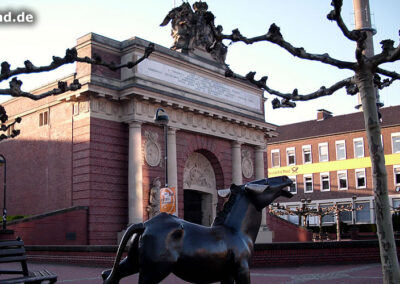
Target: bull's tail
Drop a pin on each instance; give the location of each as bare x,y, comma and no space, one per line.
130,231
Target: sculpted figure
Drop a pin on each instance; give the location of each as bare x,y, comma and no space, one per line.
198,254
154,200
195,28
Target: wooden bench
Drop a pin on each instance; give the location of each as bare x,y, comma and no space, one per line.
13,251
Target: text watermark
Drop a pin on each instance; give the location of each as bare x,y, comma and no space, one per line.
17,17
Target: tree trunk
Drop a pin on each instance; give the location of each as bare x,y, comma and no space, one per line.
389,261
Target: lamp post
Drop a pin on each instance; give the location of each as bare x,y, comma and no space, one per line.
354,197
162,118
3,161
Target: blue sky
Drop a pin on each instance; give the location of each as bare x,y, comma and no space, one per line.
57,25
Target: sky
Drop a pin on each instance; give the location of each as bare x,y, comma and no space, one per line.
58,23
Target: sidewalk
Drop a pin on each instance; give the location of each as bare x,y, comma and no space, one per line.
355,274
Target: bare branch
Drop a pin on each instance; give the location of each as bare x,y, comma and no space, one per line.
6,72
4,127
391,74
274,36
359,36
289,98
389,53
71,56
15,90
335,15
97,60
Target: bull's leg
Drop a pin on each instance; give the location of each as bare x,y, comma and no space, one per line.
125,268
242,275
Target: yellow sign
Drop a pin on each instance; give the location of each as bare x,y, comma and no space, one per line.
392,159
168,200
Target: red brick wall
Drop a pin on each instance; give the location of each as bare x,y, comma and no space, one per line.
285,231
53,228
100,169
39,163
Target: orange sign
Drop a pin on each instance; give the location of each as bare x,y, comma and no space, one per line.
168,200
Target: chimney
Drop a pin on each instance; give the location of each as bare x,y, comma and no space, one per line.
323,114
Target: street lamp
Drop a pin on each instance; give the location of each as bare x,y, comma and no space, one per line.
354,197
162,118
3,161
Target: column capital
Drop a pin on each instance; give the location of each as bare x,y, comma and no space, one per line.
236,143
135,124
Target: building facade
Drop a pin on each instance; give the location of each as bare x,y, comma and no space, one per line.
99,149
328,161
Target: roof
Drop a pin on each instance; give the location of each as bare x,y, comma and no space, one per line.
333,125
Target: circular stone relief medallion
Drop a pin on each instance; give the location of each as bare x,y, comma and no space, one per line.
152,154
247,167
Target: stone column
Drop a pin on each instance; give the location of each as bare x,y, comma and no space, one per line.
135,178
172,163
260,174
236,163
264,234
259,162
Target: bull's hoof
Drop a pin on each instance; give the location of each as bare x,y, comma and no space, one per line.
105,274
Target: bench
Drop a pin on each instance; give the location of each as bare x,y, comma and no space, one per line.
13,251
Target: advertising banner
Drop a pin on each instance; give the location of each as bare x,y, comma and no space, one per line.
168,200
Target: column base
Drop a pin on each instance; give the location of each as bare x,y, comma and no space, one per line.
264,235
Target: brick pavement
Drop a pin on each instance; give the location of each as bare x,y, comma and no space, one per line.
355,274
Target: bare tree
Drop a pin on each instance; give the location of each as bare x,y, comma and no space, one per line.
367,76
71,56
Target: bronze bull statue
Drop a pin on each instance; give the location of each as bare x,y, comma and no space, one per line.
195,253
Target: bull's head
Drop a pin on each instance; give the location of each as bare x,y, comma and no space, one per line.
264,191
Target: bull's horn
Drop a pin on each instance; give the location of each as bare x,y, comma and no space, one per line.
224,192
256,188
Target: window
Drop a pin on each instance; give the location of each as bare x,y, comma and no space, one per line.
307,156
330,218
396,142
293,186
312,220
10,130
363,215
342,180
340,150
308,183
75,109
345,216
360,178
293,218
396,203
290,156
323,152
275,158
44,118
358,148
396,173
325,185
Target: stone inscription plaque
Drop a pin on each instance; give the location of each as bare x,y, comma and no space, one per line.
195,82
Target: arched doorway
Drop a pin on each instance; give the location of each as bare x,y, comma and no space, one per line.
200,195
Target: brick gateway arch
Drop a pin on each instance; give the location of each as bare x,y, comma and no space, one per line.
105,149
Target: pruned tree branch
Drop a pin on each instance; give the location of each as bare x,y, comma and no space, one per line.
97,60
15,89
288,99
389,53
335,15
4,127
274,36
71,56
